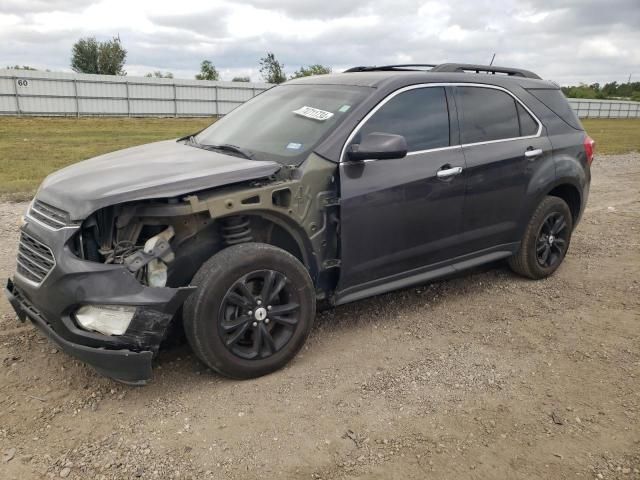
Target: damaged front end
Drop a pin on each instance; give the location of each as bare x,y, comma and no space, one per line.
160,243
163,242
107,289
89,292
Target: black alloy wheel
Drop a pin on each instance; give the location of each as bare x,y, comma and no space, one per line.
252,310
545,241
552,240
259,314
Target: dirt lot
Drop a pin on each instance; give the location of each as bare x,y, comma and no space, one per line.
482,376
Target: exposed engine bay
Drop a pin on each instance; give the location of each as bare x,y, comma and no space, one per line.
164,242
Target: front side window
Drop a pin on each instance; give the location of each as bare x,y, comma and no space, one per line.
420,115
487,114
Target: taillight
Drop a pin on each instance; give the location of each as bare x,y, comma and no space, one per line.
589,148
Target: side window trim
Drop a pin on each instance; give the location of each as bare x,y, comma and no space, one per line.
519,121
454,121
372,112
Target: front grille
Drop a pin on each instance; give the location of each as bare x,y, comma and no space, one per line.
50,216
35,259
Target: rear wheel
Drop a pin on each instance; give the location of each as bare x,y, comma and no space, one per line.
252,311
546,240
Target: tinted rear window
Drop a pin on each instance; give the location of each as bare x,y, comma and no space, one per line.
421,116
558,104
487,114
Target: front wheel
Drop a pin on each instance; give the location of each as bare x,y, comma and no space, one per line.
546,240
252,311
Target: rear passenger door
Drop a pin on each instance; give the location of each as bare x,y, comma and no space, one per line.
503,146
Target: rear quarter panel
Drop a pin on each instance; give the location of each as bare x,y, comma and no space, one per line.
568,162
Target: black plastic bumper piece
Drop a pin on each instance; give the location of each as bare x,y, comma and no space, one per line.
122,365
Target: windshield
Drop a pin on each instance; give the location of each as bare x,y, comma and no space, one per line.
286,122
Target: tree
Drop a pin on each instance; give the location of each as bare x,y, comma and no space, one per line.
105,58
241,79
271,70
84,55
159,74
111,57
583,91
316,69
207,71
608,91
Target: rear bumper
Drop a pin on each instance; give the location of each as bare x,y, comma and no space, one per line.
583,203
123,365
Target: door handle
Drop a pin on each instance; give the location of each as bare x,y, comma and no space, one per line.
533,153
449,172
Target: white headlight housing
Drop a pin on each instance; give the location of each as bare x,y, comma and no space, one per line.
106,319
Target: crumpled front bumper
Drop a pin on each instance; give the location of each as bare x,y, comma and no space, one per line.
122,365
74,282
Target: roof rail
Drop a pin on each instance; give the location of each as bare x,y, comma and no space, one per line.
448,67
468,67
407,66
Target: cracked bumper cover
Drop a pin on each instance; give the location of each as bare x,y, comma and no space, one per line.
74,282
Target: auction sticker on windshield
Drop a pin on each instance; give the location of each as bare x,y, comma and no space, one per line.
314,113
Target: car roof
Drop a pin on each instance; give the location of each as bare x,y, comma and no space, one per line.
401,78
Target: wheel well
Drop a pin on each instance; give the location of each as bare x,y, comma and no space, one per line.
259,228
266,231
232,230
571,196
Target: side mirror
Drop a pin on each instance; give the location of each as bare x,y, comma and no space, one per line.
378,146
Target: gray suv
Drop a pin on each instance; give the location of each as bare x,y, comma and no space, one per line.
325,189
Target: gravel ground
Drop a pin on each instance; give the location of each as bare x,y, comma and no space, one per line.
486,375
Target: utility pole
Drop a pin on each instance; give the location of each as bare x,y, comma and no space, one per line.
492,59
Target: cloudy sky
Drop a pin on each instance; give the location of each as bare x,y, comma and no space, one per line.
568,41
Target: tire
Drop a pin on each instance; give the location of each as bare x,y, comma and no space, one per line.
229,285
549,230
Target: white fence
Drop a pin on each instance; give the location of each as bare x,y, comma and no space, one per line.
25,92
605,108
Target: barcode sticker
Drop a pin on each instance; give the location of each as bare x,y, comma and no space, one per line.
314,113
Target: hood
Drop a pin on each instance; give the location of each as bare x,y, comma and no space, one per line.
156,170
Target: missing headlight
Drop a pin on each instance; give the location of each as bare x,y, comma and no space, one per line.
116,235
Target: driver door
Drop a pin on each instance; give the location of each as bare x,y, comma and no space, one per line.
400,217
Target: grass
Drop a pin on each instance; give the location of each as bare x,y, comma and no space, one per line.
614,136
31,148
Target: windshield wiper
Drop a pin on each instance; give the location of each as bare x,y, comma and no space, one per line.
227,147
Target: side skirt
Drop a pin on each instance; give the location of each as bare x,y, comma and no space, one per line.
424,274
